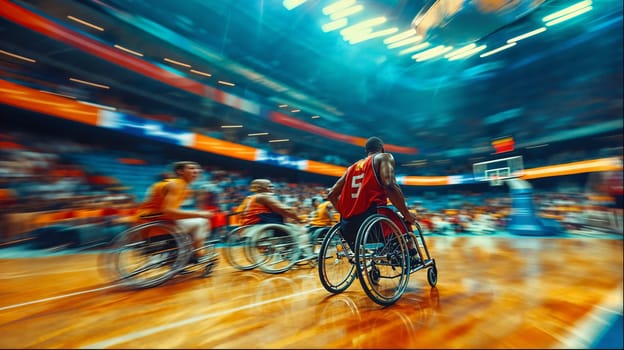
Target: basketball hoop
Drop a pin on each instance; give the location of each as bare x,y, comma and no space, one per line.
496,181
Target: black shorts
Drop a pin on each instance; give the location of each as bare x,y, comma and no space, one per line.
270,218
351,225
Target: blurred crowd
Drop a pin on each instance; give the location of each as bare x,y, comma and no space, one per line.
42,185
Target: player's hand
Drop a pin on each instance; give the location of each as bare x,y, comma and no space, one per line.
411,218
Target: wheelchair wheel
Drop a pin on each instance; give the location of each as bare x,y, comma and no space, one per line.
237,249
382,260
274,247
432,275
147,255
336,272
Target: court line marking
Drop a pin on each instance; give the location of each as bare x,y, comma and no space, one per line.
55,297
147,332
10,275
591,327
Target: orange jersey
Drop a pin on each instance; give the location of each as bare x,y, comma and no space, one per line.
153,204
361,189
251,210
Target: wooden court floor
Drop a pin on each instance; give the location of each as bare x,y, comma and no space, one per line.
492,292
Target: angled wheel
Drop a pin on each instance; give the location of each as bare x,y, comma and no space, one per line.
237,249
147,255
432,275
336,271
382,260
274,247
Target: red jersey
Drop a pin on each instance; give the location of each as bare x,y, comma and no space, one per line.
361,189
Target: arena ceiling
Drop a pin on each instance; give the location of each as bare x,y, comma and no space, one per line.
563,83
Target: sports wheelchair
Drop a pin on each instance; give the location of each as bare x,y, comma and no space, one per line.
149,254
273,248
380,259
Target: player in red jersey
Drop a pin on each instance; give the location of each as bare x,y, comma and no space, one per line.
366,185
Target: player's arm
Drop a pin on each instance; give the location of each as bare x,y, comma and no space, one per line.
388,181
334,192
172,191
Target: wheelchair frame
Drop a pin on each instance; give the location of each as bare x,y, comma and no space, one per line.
137,259
378,259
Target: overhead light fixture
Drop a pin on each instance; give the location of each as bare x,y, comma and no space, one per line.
526,35
23,58
225,83
346,12
415,48
337,24
568,10
296,111
569,16
200,73
362,26
467,53
337,6
291,4
258,134
89,83
279,140
460,50
405,42
283,106
433,52
504,47
315,116
231,126
176,62
83,22
373,35
401,36
128,50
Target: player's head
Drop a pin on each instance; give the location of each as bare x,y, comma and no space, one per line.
374,145
187,169
261,185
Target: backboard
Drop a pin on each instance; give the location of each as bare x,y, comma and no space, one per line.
497,170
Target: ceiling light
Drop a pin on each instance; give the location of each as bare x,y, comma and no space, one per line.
504,47
201,73
337,6
403,35
176,62
460,50
85,23
258,134
405,42
90,83
128,50
467,53
569,16
567,10
18,56
415,48
526,35
279,140
231,126
315,116
291,4
296,110
225,83
283,106
328,27
373,35
346,12
433,53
